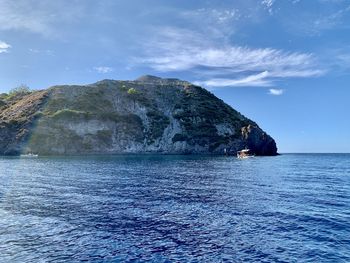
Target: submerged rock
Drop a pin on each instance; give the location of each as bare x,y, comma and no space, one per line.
148,115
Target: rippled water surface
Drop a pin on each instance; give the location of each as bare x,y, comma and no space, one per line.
289,208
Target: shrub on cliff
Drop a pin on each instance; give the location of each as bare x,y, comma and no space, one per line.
132,91
18,91
21,89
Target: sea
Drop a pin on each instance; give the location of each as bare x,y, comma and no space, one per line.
166,208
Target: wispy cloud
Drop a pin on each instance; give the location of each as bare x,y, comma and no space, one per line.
213,14
38,16
103,70
41,51
331,14
20,15
228,65
343,60
268,4
252,80
219,22
276,92
330,21
337,58
4,47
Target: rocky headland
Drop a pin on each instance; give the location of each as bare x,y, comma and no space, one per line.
147,115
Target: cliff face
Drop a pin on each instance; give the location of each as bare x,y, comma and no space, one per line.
149,114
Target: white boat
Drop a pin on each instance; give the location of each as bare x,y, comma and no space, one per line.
29,155
244,154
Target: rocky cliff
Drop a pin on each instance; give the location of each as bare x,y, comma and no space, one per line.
148,115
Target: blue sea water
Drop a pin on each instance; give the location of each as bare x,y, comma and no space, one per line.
289,208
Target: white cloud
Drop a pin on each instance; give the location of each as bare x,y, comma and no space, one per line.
252,80
103,70
4,47
276,92
268,4
182,50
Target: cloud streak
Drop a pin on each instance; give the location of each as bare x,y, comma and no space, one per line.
225,65
103,70
252,80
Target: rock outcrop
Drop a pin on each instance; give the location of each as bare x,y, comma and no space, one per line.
148,115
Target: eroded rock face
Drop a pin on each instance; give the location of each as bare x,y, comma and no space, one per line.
148,115
18,115
258,141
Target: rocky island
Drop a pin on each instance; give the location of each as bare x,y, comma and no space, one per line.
147,115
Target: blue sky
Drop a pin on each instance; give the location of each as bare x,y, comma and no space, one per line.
283,63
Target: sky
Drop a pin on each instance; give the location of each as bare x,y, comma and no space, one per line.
283,63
